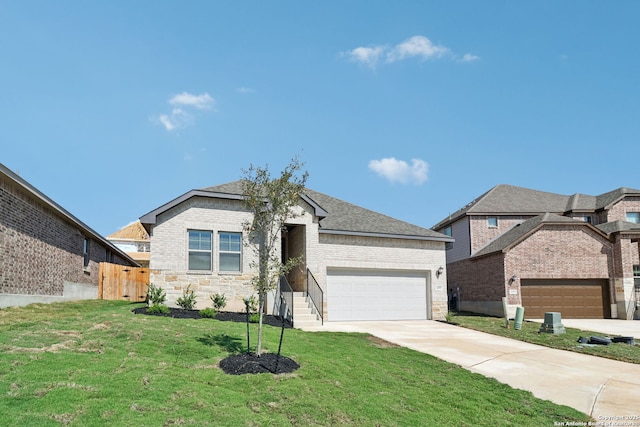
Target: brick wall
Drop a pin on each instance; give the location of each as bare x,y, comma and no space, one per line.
561,252
481,233
620,209
552,252
481,279
39,249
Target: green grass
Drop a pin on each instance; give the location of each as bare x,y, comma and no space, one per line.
567,341
95,363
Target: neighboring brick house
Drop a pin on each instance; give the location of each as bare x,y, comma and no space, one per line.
578,254
46,254
367,265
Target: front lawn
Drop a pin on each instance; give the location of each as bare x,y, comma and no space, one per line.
566,341
96,363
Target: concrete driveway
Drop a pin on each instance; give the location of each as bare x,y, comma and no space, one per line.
593,385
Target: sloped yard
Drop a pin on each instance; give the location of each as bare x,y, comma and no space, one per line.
97,363
567,341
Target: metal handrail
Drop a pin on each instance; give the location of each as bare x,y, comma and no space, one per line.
286,299
315,294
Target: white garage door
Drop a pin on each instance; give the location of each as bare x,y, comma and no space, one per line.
376,295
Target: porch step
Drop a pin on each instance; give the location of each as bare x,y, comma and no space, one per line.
304,315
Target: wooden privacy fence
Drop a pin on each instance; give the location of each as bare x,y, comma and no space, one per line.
119,282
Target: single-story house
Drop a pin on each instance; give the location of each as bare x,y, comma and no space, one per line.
577,255
46,254
366,265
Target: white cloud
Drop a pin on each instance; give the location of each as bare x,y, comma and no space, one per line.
368,56
467,57
177,119
400,171
184,104
244,90
201,102
416,46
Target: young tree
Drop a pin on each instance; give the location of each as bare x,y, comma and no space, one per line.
271,201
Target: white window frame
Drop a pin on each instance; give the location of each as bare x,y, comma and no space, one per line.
489,221
199,250
227,252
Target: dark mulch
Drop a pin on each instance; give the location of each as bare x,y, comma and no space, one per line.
225,316
249,363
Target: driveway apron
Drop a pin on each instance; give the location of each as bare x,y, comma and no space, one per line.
599,387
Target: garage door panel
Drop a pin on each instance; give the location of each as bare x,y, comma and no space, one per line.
376,295
573,299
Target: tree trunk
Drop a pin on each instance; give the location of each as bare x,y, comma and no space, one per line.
260,311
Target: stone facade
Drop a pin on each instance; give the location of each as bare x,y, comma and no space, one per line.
169,259
41,249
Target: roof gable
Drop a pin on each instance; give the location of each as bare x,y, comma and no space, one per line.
521,231
335,216
606,200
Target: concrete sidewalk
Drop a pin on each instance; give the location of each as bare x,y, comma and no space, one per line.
593,385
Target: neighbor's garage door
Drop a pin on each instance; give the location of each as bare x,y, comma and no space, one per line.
587,299
376,295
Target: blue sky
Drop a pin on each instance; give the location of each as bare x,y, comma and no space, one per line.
409,108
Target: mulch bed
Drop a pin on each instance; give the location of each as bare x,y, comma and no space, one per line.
245,363
249,363
224,316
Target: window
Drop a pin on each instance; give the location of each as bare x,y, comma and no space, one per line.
633,217
230,251
586,219
448,232
492,221
85,252
199,250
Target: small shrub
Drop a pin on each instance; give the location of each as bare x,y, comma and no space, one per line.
254,318
155,295
219,301
187,300
158,309
251,304
208,313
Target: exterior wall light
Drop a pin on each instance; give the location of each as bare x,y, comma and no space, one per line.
513,279
439,271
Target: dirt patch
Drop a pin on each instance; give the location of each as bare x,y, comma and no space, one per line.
224,316
249,363
380,343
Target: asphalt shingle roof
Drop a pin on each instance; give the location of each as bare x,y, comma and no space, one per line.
349,218
508,199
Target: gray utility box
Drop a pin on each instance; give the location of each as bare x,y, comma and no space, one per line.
552,323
